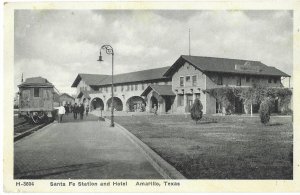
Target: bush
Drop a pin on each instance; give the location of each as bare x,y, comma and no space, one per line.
265,112
196,110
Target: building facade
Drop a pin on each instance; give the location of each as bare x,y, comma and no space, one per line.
173,89
65,98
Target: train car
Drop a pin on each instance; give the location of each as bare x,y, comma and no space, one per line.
37,100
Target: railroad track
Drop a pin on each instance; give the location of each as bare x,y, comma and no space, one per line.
18,125
23,129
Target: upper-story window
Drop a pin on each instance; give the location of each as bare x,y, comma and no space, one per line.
36,92
220,80
239,81
136,87
127,87
188,79
131,87
275,80
181,81
122,87
106,89
194,79
247,79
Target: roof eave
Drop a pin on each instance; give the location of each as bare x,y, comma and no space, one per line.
75,83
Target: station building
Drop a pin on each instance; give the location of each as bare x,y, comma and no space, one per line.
173,89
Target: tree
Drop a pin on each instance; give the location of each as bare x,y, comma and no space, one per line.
265,111
196,110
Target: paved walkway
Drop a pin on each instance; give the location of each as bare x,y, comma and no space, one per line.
81,149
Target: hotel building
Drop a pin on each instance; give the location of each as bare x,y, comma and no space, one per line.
173,89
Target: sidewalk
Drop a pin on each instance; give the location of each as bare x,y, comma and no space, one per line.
87,149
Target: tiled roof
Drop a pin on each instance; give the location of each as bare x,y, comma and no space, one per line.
160,89
36,82
225,65
89,79
66,95
144,75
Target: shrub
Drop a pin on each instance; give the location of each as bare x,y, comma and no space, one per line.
196,110
264,111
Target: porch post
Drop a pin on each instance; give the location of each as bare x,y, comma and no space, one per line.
194,96
184,102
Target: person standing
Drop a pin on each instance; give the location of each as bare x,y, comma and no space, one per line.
87,110
61,112
155,109
81,111
66,109
75,110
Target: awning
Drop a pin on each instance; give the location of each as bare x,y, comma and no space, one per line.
163,90
83,93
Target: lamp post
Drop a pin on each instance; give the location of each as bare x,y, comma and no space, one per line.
109,50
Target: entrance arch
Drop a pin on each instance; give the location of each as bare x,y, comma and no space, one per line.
153,101
118,105
97,104
136,103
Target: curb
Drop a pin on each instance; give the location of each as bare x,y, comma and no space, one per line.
28,132
163,167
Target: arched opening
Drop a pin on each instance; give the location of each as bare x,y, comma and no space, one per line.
118,105
153,102
136,104
97,104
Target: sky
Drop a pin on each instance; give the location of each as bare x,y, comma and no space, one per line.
59,44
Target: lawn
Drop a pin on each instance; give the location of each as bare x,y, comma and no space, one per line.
219,147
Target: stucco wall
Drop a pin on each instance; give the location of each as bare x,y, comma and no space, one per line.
188,88
82,85
65,98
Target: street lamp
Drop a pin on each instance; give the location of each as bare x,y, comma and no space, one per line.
109,50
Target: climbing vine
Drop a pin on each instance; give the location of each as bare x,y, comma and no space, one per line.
250,95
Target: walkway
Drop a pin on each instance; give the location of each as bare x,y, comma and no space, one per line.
87,149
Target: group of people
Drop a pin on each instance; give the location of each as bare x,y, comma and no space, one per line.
76,109
79,109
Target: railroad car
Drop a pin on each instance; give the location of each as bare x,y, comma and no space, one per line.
37,100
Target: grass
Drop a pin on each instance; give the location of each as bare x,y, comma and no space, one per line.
219,147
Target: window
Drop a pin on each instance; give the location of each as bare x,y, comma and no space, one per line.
136,87
247,79
100,89
275,80
194,78
181,81
122,87
36,92
220,80
131,87
187,79
270,80
106,89
115,88
143,86
239,81
127,87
